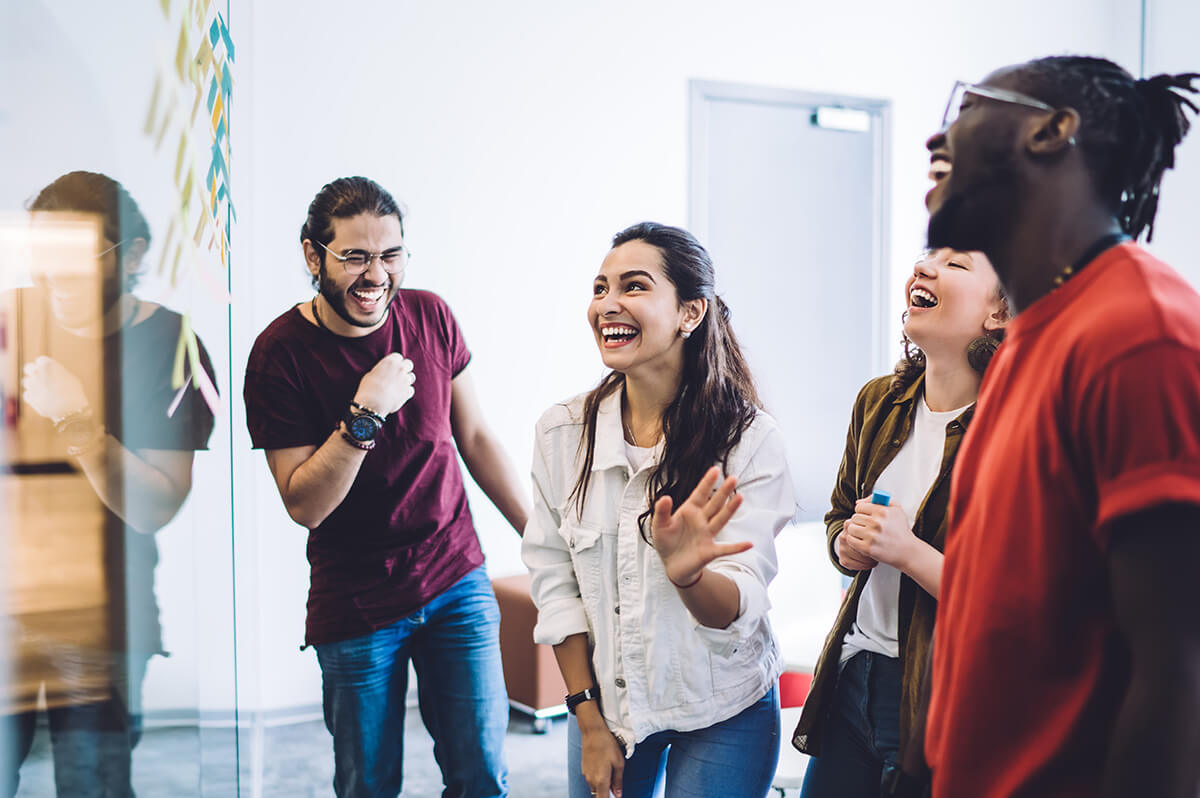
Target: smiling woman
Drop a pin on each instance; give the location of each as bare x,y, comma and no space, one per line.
635,537
904,432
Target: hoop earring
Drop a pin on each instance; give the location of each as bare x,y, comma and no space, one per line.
981,350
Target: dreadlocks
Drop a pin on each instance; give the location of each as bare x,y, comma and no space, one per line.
1128,128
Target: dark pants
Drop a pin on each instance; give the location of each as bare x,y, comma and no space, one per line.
861,737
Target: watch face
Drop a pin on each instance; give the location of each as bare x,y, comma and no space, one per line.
363,428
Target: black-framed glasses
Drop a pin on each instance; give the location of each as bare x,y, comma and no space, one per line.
962,88
356,261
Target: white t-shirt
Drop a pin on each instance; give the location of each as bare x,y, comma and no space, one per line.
908,478
638,456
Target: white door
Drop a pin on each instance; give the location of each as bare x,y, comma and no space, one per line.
787,193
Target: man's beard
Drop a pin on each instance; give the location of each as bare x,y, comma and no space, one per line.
982,216
336,299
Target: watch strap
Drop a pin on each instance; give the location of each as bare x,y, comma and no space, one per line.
366,410
575,699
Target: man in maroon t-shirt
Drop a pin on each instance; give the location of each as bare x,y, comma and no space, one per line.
1067,655
359,398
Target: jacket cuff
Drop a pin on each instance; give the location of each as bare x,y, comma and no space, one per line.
752,608
558,620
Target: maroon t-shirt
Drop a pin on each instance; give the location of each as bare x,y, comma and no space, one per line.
404,532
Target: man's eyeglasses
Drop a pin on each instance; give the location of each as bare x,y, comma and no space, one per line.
962,89
356,261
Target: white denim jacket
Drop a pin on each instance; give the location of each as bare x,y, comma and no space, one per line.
656,666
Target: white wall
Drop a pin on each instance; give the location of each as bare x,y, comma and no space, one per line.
522,135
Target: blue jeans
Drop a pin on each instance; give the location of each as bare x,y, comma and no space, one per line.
861,737
454,645
735,758
93,711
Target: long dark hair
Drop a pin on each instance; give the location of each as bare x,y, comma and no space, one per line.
1128,130
717,399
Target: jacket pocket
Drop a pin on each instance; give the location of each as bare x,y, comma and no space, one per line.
585,543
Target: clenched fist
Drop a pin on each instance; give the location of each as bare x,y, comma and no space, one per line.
387,386
51,390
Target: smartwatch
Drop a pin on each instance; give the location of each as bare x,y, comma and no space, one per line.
575,699
78,431
362,423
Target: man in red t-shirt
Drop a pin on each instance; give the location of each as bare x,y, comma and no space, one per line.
1067,655
359,399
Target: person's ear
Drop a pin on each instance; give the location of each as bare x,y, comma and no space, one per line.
312,258
1054,134
694,311
999,318
132,253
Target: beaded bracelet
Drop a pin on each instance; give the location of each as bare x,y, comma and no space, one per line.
366,446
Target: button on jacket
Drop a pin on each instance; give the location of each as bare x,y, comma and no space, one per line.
656,666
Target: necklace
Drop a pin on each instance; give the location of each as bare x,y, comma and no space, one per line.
313,306
1090,254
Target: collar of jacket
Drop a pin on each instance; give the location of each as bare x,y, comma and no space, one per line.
914,390
911,392
610,436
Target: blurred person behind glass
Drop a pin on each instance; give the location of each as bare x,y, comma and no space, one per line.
120,425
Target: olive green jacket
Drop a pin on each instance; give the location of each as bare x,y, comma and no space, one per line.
878,428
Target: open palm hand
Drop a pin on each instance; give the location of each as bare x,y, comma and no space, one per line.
685,539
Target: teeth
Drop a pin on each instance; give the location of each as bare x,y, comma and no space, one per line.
608,332
928,299
368,294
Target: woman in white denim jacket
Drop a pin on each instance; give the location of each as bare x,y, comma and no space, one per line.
658,618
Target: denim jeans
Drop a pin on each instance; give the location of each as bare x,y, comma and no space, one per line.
735,758
861,737
453,642
93,713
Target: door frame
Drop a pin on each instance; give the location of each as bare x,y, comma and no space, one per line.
702,92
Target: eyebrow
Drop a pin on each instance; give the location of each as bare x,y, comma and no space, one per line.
358,250
630,275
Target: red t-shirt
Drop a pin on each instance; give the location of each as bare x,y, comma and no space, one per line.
1089,412
404,533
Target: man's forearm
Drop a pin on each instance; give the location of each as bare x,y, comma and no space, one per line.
132,489
1154,742
322,482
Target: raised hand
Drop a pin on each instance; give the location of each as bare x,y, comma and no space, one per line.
387,386
51,390
686,538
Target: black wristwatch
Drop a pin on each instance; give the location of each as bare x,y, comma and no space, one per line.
575,699
362,423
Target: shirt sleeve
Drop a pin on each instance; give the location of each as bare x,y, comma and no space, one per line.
276,415
456,344
160,416
768,505
1141,432
553,584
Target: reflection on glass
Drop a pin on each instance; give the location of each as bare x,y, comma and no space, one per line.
98,450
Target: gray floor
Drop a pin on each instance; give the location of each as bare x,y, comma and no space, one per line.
298,761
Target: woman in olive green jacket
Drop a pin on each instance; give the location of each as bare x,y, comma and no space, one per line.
904,432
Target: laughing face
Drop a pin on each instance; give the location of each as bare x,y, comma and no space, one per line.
977,195
635,313
953,298
360,301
